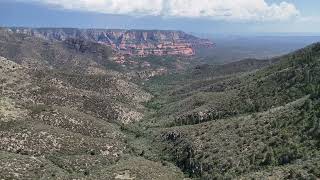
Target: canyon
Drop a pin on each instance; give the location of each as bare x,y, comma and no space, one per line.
68,111
127,43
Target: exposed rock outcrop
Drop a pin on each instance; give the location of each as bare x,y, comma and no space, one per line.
127,42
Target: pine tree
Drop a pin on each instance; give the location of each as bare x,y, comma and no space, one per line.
268,158
308,105
317,94
307,77
314,131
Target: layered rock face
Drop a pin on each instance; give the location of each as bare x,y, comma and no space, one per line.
127,42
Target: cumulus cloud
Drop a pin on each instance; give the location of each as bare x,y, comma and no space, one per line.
246,10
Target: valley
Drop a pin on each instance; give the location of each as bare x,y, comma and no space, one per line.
71,109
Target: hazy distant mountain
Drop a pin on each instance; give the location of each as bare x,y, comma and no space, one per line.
230,48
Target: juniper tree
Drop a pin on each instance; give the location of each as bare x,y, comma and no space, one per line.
314,125
308,105
307,76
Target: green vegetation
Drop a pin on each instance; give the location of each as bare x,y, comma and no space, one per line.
61,120
67,112
241,124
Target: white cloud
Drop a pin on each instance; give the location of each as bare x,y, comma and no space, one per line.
245,10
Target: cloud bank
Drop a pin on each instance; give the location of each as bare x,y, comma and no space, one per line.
234,10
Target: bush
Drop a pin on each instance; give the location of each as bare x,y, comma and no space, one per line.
39,108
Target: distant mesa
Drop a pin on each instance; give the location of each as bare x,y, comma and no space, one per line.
127,42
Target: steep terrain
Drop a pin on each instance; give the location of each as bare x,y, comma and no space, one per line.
127,42
68,111
260,124
62,110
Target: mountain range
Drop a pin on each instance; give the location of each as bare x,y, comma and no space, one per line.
127,42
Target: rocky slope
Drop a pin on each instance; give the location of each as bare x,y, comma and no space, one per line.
127,42
67,111
62,110
87,71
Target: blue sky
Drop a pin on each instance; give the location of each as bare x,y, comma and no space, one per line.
200,16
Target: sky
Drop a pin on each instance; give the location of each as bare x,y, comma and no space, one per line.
198,16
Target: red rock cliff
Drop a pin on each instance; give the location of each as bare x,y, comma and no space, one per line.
128,42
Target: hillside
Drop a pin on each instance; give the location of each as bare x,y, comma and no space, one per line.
68,111
61,112
84,56
258,124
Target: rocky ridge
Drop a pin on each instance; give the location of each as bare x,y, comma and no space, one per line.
127,42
